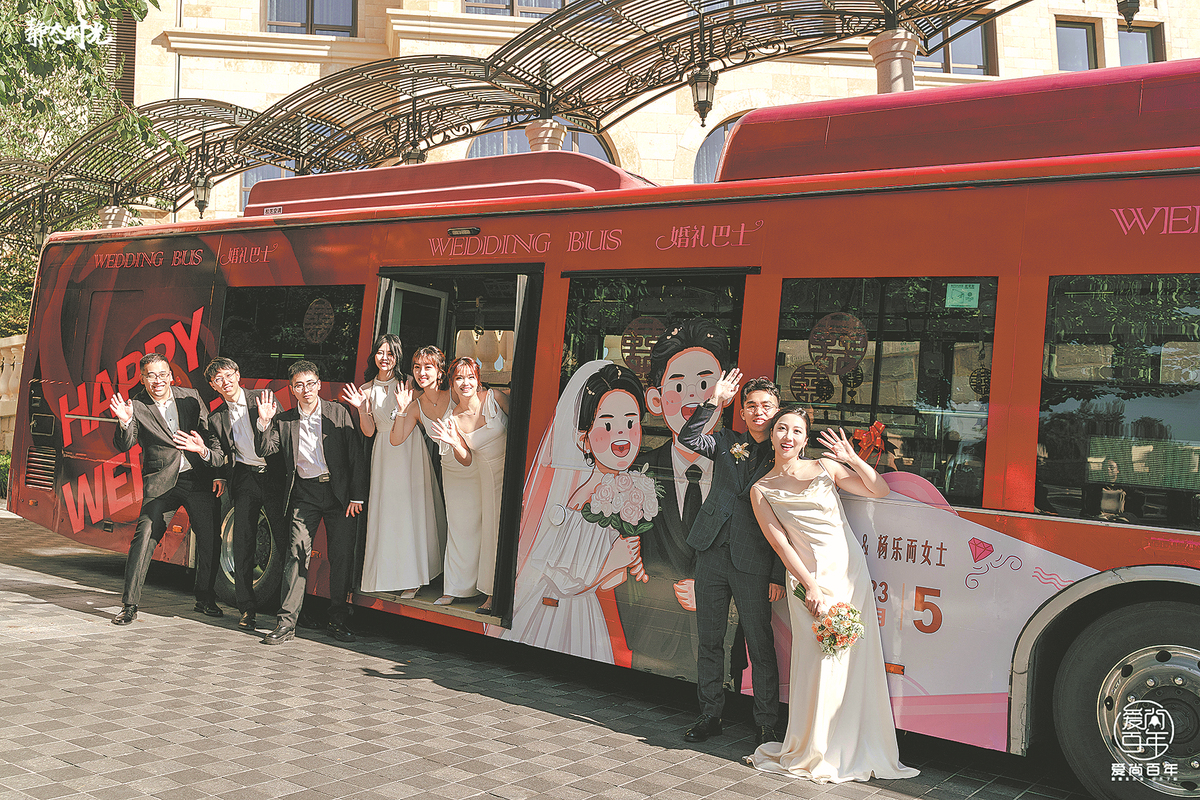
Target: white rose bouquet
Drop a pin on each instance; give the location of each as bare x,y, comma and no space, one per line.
625,502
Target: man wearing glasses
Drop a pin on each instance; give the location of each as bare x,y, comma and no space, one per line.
171,425
244,476
324,474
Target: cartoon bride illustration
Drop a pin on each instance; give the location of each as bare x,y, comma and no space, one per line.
588,532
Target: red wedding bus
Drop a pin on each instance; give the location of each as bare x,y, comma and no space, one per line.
996,287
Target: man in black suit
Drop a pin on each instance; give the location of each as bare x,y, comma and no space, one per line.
658,616
733,558
171,425
324,474
244,476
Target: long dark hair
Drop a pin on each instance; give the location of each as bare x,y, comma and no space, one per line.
393,343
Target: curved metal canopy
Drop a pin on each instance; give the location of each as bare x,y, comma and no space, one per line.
593,63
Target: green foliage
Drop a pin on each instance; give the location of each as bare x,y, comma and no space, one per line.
5,461
27,63
17,271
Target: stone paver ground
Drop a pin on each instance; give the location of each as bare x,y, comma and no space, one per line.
183,707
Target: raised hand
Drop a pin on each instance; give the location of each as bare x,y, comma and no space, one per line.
267,407
357,398
836,445
447,432
190,441
122,409
404,395
727,387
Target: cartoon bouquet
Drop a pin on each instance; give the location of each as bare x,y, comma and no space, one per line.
839,629
625,502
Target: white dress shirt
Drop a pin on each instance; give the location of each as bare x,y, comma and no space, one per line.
170,414
243,434
679,465
310,452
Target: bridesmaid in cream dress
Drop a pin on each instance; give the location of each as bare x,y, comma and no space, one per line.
406,520
840,724
473,442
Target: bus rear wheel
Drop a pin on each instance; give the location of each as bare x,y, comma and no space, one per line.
1127,703
268,564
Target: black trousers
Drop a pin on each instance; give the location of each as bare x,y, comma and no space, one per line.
313,502
717,581
195,495
249,496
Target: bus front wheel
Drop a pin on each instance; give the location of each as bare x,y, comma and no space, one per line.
268,563
1127,702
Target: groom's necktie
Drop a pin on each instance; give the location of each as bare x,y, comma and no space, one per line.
691,498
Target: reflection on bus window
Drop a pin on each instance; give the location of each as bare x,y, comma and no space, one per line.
1121,372
911,353
272,327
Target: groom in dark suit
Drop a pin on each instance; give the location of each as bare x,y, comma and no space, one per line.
171,425
734,559
244,476
325,477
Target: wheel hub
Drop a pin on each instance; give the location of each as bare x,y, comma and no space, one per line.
1149,716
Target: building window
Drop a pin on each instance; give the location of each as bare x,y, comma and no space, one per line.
260,173
969,54
508,142
320,17
708,157
1140,45
1076,46
535,9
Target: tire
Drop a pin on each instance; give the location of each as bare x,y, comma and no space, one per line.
268,563
1147,654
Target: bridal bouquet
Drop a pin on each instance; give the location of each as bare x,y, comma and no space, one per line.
839,629
625,502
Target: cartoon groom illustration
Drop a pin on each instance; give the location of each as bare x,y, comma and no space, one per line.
658,616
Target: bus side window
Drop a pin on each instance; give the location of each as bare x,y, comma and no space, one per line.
911,353
267,328
1119,439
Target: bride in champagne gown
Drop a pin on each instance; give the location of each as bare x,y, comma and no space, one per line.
840,724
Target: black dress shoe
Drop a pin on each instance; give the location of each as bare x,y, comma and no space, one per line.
247,621
281,634
128,614
208,607
307,622
704,727
339,631
764,734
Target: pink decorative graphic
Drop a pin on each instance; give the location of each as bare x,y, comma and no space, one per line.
979,549
1050,579
917,488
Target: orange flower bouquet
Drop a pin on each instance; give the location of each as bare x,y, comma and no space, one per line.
839,629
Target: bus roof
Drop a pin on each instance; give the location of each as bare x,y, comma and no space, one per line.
525,175
1150,107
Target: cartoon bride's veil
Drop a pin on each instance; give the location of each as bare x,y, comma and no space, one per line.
559,468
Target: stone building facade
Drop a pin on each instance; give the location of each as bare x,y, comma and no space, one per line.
255,52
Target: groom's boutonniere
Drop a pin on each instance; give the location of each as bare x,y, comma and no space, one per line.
739,452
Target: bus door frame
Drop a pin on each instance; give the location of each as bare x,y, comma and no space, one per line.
527,313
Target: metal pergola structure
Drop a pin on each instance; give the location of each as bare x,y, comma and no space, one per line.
592,63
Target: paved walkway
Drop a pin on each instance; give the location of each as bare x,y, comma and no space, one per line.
182,707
